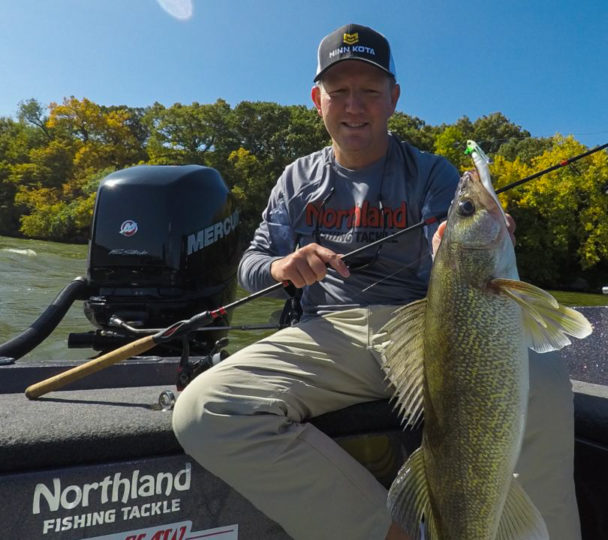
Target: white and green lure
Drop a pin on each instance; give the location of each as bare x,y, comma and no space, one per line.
482,164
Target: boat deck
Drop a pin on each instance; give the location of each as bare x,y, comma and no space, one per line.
78,433
83,426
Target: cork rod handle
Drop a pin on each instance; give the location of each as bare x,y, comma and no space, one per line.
79,372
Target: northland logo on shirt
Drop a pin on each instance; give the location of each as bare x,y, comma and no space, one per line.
365,215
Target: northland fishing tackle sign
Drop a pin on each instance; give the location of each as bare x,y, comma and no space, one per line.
116,496
168,498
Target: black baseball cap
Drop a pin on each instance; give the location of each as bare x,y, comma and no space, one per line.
355,42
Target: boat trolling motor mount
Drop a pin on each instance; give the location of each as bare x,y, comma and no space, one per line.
164,246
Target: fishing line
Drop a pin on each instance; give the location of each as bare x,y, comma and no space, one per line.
393,274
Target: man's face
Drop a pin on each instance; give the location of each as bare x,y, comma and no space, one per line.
355,100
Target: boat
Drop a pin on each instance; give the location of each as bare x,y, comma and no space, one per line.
97,459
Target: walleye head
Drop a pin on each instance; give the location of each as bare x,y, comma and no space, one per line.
475,220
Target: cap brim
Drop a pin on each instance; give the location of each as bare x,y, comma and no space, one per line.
355,58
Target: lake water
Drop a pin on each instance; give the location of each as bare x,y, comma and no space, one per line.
33,272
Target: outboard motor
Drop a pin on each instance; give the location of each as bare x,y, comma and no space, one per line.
164,246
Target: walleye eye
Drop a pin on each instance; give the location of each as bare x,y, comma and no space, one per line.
466,207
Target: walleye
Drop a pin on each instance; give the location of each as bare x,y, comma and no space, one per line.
460,355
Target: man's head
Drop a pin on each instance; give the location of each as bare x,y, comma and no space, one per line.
356,93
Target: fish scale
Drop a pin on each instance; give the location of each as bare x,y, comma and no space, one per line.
482,400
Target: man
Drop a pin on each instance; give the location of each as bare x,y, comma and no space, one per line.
245,419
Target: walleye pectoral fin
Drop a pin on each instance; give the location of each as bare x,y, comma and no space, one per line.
546,321
402,356
520,519
408,498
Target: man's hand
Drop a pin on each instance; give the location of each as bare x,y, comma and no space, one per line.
441,229
307,265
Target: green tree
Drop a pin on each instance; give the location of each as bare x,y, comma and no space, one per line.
525,149
494,130
186,134
16,141
562,217
449,144
270,136
260,128
31,112
250,184
303,134
413,130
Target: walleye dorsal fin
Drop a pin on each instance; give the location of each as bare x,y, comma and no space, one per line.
546,322
402,352
409,501
520,519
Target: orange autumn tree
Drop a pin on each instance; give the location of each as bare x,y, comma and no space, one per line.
87,142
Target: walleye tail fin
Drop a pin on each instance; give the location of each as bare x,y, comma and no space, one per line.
408,499
402,352
546,321
520,519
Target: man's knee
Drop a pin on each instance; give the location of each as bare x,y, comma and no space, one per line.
197,429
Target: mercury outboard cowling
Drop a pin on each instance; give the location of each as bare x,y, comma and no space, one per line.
164,246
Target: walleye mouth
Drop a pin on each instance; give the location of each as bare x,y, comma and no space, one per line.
466,180
472,187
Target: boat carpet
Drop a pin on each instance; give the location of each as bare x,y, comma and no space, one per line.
103,425
79,427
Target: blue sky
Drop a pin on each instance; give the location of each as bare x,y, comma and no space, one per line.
544,64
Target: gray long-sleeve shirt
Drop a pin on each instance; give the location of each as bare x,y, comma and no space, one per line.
316,199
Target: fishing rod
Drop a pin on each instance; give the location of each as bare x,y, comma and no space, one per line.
561,164
182,328
205,318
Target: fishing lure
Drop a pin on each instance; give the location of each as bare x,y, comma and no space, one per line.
482,164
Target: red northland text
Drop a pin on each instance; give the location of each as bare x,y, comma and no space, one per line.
365,215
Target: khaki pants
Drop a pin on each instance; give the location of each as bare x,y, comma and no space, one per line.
245,421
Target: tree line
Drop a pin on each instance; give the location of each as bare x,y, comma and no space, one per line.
52,159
